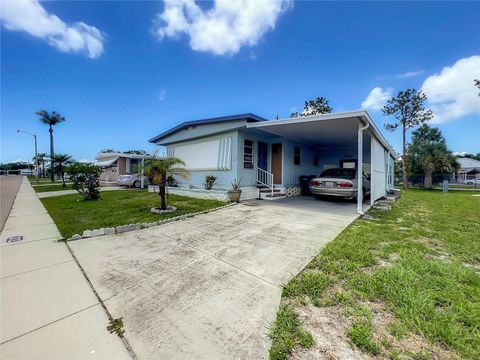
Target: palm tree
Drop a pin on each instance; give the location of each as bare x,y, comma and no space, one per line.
41,161
51,120
158,169
61,161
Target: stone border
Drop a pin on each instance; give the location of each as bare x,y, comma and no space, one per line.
130,227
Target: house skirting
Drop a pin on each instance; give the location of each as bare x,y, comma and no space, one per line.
248,193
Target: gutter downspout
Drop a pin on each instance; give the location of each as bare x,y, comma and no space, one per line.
360,166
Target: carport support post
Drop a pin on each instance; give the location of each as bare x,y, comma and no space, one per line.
360,167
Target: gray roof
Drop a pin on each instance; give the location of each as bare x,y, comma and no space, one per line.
468,163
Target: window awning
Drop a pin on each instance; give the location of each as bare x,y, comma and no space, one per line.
106,163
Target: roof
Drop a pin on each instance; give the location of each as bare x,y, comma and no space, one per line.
363,114
467,163
116,155
248,116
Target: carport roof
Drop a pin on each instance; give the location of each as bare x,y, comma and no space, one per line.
327,130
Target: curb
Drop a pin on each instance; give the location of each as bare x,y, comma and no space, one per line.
130,227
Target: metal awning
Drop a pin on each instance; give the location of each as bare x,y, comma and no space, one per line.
326,130
106,163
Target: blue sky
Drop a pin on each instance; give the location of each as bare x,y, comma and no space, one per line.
120,78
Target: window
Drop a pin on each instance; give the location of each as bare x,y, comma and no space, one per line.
296,155
315,160
248,154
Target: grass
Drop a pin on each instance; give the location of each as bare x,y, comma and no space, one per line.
73,215
51,187
419,262
287,333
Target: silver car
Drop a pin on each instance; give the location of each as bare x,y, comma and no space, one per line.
339,182
131,180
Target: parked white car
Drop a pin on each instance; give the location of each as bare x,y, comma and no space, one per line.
339,182
472,182
131,180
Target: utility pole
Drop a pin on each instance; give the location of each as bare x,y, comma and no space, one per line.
36,152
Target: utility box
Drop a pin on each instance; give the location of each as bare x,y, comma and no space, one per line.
445,185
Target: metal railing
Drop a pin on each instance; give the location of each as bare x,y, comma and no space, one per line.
265,178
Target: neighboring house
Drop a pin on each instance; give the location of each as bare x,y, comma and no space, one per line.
114,164
274,154
468,169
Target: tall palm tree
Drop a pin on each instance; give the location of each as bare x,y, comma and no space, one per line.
61,161
50,119
158,170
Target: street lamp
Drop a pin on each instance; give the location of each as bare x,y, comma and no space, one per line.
36,153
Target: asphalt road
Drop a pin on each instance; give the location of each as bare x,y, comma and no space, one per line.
9,186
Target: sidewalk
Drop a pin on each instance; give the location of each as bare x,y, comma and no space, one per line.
48,310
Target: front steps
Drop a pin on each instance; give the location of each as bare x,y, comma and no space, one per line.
266,193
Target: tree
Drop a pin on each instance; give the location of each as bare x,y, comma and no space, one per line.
51,119
158,169
61,162
314,107
42,157
407,107
86,179
428,153
477,84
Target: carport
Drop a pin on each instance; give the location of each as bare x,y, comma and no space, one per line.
342,139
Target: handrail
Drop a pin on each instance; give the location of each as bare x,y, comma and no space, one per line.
265,178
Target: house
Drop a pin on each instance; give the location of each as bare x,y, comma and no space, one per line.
469,169
114,164
274,154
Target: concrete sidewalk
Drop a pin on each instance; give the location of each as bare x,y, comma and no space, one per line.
48,310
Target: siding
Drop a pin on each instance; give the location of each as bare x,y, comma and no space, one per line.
291,172
223,158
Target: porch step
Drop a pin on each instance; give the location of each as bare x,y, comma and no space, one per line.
267,191
276,196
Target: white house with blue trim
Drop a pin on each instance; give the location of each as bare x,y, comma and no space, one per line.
273,154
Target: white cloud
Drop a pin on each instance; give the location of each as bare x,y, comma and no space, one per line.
31,17
223,29
410,74
85,161
452,94
377,98
162,95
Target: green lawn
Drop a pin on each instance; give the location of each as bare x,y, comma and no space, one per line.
407,283
73,215
51,187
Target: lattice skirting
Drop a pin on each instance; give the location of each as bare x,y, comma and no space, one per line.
293,191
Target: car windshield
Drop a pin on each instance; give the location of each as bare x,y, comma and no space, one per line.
339,173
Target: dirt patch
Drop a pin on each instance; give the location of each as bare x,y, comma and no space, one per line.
329,329
329,326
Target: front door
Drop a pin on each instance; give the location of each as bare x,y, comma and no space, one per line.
262,159
277,163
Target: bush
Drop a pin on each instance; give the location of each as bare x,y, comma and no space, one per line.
86,179
171,181
209,181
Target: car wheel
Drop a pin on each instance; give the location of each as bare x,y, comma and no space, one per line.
136,184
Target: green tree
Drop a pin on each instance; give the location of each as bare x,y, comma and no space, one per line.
42,158
61,162
158,169
86,179
314,107
428,153
408,109
51,119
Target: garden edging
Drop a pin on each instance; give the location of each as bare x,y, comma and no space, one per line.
130,227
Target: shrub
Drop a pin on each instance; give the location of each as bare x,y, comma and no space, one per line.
209,181
86,179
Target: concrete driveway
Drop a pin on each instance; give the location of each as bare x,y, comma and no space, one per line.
209,286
